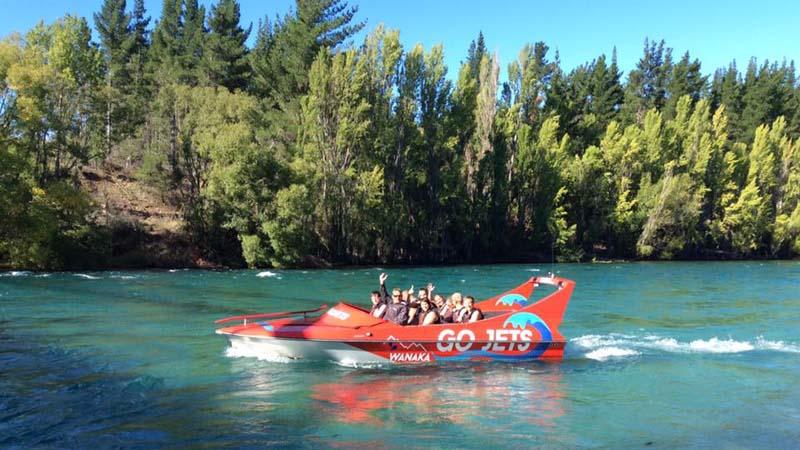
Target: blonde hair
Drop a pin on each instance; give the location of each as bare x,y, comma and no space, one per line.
456,298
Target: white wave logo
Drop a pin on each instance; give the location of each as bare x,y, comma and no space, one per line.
615,345
409,346
341,315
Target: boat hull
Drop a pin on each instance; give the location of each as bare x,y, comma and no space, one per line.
392,352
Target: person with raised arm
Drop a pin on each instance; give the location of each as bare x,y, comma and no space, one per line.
380,299
396,311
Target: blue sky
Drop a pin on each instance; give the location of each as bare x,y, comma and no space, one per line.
716,32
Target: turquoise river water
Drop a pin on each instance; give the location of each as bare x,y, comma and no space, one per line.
660,355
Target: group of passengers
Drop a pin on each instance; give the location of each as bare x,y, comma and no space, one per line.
404,308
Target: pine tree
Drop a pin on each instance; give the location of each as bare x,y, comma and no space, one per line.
768,93
685,79
117,43
139,25
226,53
726,89
166,48
607,94
477,49
192,43
647,84
285,50
140,79
117,40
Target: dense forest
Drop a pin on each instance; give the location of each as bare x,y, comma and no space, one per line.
308,148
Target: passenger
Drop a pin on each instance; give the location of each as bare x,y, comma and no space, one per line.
380,299
470,312
425,294
378,305
396,311
458,307
427,314
413,311
444,308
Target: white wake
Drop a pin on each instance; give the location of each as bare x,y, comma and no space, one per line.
602,347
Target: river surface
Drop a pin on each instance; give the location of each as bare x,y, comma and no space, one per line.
660,355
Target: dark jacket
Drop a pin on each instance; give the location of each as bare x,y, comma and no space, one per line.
396,312
385,295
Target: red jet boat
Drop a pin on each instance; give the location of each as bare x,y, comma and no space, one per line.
514,330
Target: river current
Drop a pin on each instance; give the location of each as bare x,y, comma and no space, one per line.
659,355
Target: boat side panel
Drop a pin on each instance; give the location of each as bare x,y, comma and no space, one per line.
460,348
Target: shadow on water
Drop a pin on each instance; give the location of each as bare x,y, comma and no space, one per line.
55,398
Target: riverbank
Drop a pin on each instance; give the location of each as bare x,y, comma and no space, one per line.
143,228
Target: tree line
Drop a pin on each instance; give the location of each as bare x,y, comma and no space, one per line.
309,148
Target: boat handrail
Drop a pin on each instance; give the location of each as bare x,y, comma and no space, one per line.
270,315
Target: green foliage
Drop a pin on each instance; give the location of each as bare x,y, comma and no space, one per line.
290,231
672,219
308,149
48,227
254,251
54,80
746,220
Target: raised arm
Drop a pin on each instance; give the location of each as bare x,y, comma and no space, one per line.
384,293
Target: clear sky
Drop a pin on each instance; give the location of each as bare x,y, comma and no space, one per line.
716,32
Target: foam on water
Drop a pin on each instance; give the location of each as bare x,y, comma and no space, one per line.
15,273
349,363
124,277
86,276
603,346
779,346
266,274
604,353
243,351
